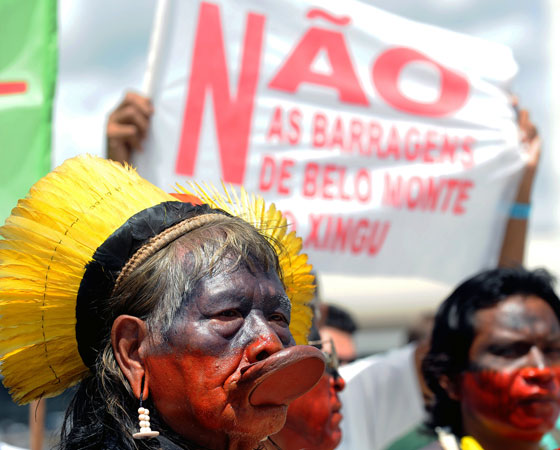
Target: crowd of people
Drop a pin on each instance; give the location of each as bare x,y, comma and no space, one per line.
187,324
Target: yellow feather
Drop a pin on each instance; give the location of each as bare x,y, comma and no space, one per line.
53,233
48,240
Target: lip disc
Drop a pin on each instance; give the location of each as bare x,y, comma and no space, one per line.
286,375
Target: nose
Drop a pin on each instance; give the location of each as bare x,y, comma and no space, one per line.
338,383
265,342
537,375
536,358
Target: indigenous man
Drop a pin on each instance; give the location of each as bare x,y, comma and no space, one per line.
494,362
171,316
313,421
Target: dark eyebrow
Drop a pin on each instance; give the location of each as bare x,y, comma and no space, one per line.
285,302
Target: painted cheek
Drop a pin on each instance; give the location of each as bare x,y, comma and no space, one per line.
198,396
536,394
184,386
510,398
312,409
187,389
316,415
485,392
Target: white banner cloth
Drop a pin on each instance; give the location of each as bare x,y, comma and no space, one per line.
390,145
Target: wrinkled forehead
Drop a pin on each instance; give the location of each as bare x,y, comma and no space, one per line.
518,314
215,262
237,276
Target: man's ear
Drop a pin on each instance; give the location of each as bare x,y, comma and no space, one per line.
451,386
128,334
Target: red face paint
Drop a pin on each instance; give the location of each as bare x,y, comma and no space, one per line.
513,390
227,339
313,420
521,404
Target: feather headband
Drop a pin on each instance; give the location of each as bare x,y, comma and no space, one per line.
95,213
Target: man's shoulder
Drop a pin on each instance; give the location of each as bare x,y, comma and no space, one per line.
433,446
397,358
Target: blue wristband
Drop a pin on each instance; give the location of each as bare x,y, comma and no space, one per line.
520,211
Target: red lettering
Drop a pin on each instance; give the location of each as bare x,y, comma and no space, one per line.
392,191
462,196
360,231
341,233
275,129
414,192
297,67
310,179
319,130
285,174
344,234
327,233
393,144
411,144
267,174
374,139
232,114
448,148
432,193
376,240
468,156
328,182
356,130
454,88
425,193
337,135
294,117
451,186
313,237
362,177
430,145
341,179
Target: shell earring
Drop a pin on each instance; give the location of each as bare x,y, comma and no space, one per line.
144,420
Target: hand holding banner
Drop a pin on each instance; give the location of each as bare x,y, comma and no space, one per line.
391,145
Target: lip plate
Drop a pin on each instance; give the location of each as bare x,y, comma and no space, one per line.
284,376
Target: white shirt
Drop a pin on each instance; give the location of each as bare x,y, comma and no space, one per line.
382,400
9,447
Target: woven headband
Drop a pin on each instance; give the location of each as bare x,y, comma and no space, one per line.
132,244
65,245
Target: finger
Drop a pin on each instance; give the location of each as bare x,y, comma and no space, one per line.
138,101
132,116
121,131
125,136
528,130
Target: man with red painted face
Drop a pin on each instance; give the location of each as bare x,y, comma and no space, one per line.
212,369
178,321
494,362
313,420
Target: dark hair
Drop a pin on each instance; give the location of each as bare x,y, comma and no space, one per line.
454,330
340,319
103,412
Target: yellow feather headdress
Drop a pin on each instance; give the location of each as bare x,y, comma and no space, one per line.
52,235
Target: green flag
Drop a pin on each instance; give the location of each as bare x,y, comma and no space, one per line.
28,57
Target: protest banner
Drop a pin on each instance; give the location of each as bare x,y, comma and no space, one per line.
390,145
28,58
